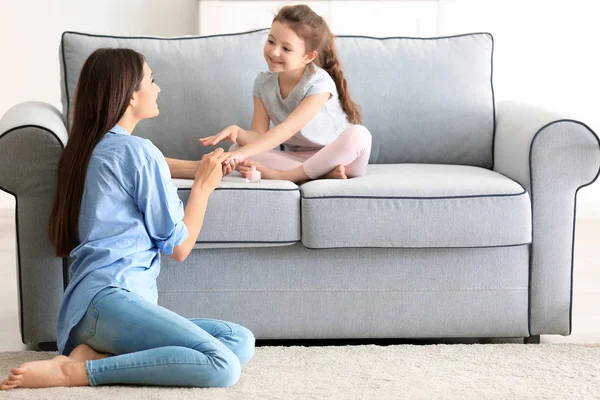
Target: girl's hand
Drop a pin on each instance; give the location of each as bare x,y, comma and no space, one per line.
245,167
229,133
228,167
236,157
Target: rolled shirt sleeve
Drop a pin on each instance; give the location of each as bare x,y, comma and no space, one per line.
157,199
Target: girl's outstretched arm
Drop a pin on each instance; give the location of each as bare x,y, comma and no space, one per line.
302,115
260,124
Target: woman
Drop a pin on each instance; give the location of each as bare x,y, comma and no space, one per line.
114,209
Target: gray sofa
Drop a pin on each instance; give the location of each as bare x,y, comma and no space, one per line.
462,227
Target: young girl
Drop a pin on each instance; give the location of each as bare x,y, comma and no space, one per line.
306,97
113,217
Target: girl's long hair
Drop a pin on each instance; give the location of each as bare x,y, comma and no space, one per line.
315,32
106,83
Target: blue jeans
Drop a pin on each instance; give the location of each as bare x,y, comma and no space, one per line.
149,345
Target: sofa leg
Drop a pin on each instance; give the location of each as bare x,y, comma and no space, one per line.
534,339
47,346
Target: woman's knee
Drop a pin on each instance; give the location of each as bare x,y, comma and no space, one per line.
246,343
238,338
229,367
226,368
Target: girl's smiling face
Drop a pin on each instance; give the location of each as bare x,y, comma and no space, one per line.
284,50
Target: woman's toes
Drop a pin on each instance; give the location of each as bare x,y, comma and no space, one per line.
8,386
18,371
12,379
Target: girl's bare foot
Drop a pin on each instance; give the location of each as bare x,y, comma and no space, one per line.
265,172
83,352
296,175
59,371
338,172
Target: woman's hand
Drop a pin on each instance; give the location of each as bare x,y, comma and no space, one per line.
229,133
210,170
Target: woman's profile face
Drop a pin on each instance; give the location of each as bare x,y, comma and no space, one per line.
145,98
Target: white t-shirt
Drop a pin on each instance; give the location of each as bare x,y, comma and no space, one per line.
324,128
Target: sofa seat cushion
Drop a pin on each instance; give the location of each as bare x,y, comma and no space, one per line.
241,214
416,205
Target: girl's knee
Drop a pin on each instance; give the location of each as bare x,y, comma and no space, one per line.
358,133
357,137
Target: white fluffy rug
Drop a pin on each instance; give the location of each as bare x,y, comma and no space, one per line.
455,371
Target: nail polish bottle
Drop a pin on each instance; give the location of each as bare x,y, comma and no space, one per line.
253,176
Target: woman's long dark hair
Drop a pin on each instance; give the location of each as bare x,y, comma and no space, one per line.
106,83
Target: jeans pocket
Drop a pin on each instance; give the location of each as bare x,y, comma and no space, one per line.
85,328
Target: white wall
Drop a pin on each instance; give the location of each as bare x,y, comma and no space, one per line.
373,18
30,32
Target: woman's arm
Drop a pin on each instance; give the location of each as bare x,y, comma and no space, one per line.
193,219
206,178
183,169
302,115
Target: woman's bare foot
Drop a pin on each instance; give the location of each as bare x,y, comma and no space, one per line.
338,172
83,352
59,371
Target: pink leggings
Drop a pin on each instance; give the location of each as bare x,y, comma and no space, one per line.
351,149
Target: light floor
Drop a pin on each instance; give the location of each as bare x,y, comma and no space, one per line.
586,303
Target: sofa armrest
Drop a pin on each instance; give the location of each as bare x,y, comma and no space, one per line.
552,157
32,139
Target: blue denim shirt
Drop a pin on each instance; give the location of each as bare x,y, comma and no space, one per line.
129,211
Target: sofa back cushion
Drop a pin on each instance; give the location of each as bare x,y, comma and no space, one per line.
424,100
